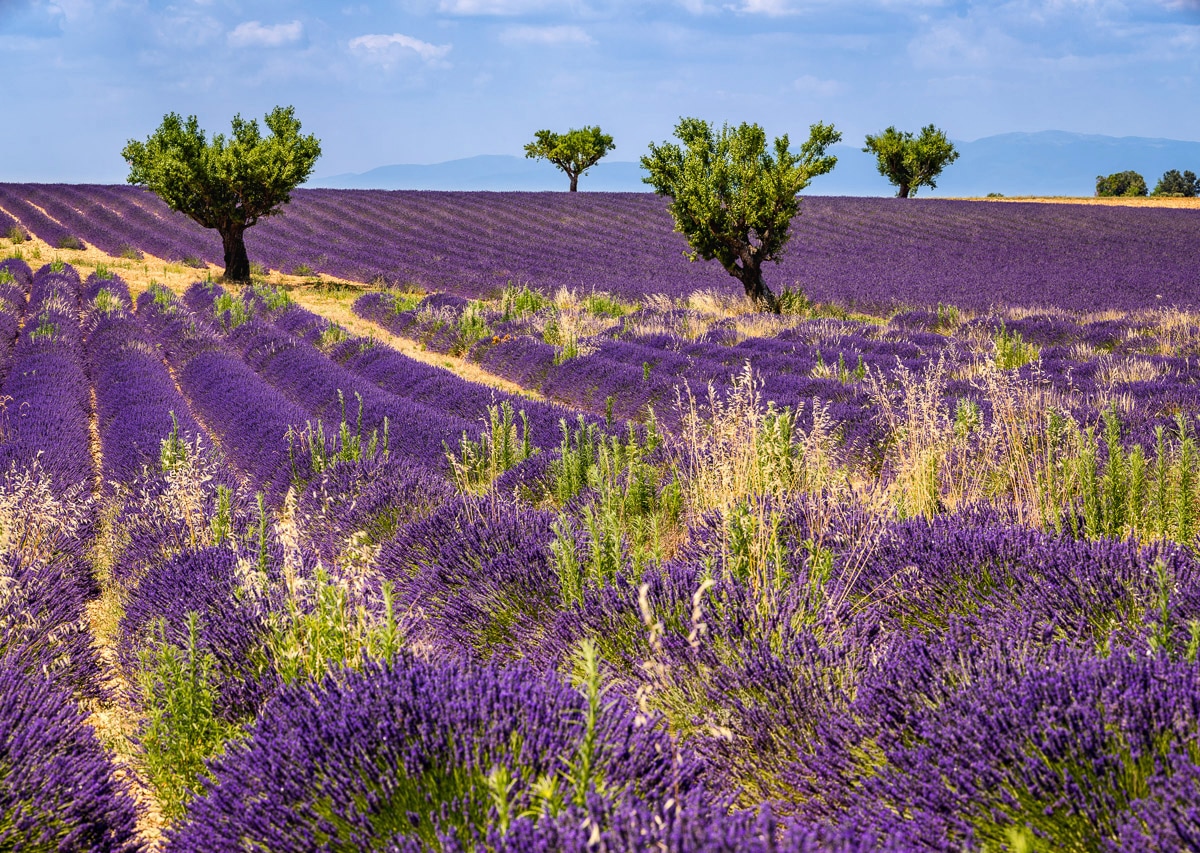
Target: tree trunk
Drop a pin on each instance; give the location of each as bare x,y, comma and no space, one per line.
756,288
903,191
574,183
237,263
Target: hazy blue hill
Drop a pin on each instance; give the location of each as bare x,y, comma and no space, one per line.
1047,163
488,172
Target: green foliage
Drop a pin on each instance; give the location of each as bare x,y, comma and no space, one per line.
320,630
181,729
1012,351
730,198
70,242
45,330
58,265
16,234
1177,185
1120,492
103,272
500,448
225,183
331,336
564,336
401,301
634,512
231,311
1126,184
793,300
472,327
347,445
7,277
603,305
173,451
272,297
129,253
517,303
911,161
574,152
163,298
105,302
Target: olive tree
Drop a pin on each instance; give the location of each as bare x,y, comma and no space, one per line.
1128,183
1177,184
732,199
574,152
226,184
911,161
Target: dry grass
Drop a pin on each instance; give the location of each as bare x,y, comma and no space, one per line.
327,296
1140,201
335,306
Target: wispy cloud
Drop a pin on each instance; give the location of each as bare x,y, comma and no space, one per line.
387,49
258,34
563,34
810,85
495,7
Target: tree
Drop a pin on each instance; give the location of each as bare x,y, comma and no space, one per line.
1172,183
1127,183
226,184
574,152
732,199
910,162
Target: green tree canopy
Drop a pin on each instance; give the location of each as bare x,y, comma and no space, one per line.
911,161
1174,183
574,152
226,184
1127,183
731,198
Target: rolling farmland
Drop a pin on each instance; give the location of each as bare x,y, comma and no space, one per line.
912,565
871,252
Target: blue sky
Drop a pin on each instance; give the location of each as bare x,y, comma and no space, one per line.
423,81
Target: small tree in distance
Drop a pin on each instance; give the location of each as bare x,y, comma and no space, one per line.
1128,184
732,199
574,152
910,162
1175,184
226,184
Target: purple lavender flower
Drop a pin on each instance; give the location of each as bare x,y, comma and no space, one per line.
400,755
58,788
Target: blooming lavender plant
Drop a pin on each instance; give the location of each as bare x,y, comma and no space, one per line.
418,755
58,787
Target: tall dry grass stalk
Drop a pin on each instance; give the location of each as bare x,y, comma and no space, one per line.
734,447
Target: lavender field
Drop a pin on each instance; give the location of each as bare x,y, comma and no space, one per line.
875,253
913,565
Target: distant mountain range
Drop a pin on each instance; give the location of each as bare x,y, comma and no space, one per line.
1048,163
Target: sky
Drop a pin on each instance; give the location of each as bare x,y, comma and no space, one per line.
425,81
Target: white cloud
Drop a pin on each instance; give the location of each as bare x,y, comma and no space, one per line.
386,50
257,34
494,7
563,34
810,85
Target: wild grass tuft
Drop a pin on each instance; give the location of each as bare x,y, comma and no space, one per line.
348,444
500,447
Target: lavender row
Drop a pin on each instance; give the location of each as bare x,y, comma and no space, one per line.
430,386
862,251
250,420
15,281
138,406
332,394
626,379
49,408
833,707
